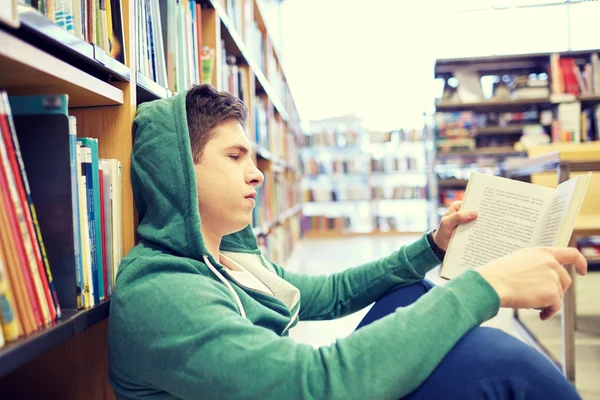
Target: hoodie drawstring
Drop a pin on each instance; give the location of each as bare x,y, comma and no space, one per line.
226,282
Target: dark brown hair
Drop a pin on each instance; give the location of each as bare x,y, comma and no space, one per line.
206,108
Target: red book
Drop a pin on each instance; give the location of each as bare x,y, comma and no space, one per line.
16,171
18,238
103,225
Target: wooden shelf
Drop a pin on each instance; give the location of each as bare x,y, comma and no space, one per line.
491,105
359,201
148,90
452,183
314,234
15,354
506,64
491,151
39,31
498,130
235,46
25,69
590,99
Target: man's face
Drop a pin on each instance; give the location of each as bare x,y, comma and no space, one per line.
226,180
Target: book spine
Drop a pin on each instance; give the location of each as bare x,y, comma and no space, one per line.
103,238
13,219
11,326
87,170
86,257
108,234
117,226
75,209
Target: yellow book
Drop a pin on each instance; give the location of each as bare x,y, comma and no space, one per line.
11,326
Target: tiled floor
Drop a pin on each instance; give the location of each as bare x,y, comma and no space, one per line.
326,256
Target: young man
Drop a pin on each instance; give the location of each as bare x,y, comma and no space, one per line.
199,312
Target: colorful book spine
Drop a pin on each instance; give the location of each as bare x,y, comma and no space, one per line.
86,167
103,237
8,313
76,212
86,255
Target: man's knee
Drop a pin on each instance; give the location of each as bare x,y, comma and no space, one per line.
488,363
502,363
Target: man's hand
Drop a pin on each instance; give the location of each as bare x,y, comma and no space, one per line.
449,222
534,277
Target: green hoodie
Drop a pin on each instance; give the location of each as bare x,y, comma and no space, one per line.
181,327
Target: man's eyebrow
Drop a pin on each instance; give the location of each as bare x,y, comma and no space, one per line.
239,147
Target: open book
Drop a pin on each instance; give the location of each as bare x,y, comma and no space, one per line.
512,215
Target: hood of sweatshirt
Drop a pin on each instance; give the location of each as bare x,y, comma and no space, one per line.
164,184
164,188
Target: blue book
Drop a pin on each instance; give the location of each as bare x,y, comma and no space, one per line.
86,170
95,225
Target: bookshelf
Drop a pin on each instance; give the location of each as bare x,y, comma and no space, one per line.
362,182
530,100
68,358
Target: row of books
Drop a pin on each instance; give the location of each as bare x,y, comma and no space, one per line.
345,223
99,22
327,193
279,243
392,163
569,78
169,43
397,192
62,253
340,139
326,223
339,166
275,196
448,196
314,167
467,123
241,18
272,133
361,192
574,124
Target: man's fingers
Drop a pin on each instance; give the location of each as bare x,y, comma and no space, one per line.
453,207
563,277
460,216
569,255
549,312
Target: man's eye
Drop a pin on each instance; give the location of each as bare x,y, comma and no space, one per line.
234,156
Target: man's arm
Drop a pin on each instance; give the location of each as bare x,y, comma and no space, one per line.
192,343
328,297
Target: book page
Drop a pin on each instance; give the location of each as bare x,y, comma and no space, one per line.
556,215
510,213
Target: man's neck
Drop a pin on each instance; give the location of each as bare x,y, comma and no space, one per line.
212,241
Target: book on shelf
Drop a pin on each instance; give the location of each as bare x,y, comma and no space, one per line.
169,45
46,252
568,78
99,22
512,215
9,14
